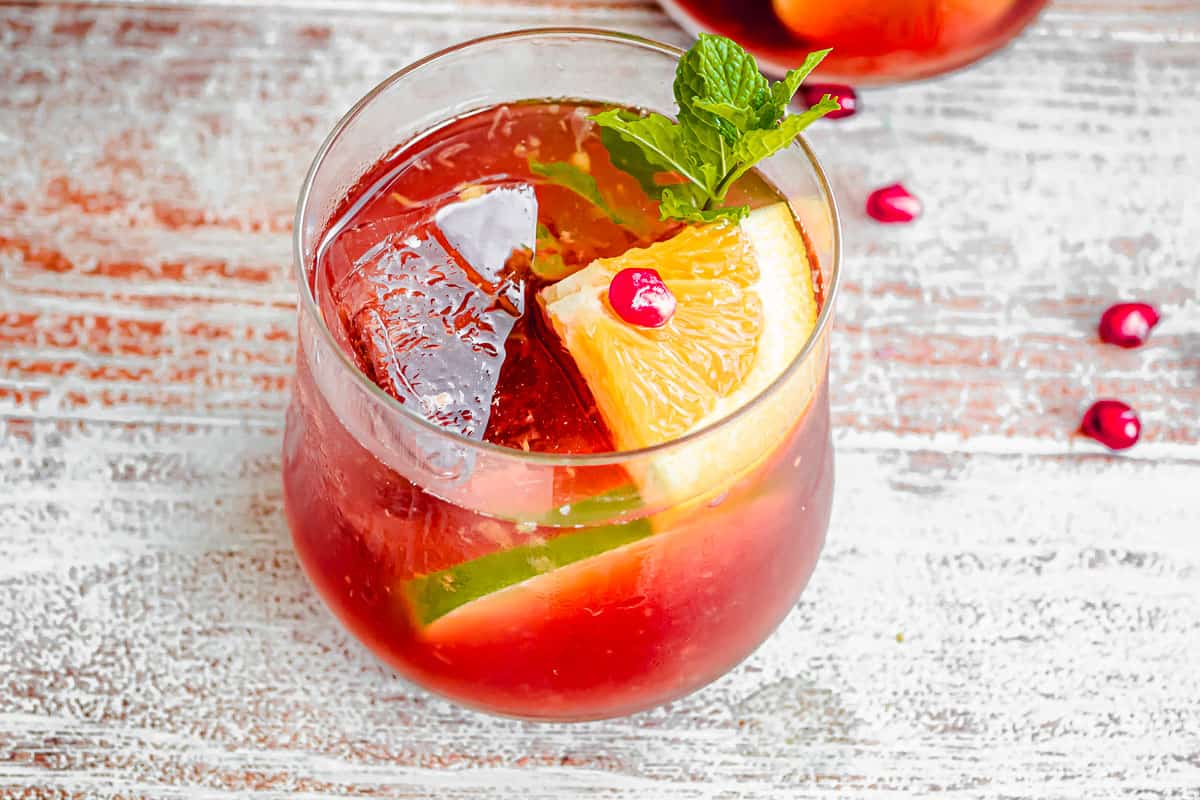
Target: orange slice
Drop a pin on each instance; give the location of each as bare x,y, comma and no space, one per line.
745,308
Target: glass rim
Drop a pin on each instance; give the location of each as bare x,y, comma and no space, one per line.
309,304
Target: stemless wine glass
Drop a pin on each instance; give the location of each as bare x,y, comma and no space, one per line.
543,586
874,42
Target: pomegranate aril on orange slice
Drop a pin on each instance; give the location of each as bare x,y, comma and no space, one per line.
1112,423
640,297
1127,324
893,203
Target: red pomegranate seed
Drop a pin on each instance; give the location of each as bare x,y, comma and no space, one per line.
1127,324
640,297
1111,423
893,204
845,95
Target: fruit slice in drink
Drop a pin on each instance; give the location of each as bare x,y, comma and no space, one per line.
433,596
745,309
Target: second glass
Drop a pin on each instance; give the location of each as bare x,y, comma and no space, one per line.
875,42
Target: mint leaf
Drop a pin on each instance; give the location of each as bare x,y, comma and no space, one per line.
730,118
629,158
660,140
740,117
569,176
682,206
756,146
783,91
707,148
773,108
680,202
718,70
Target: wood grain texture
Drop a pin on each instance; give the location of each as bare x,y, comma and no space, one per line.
1045,646
170,216
1003,611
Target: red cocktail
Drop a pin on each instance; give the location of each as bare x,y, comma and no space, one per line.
873,41
510,493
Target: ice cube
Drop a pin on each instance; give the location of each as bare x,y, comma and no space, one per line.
429,322
485,230
349,246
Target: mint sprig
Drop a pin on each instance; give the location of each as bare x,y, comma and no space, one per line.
730,119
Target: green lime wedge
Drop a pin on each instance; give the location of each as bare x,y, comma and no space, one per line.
595,509
437,594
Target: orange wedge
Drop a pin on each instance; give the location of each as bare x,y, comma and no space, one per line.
745,308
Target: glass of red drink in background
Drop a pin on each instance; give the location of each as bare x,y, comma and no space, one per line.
874,42
521,574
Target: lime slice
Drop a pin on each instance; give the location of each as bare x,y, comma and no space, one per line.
433,596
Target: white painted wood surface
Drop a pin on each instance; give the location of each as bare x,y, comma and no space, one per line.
1003,611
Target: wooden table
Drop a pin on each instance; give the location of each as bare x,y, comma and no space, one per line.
1003,610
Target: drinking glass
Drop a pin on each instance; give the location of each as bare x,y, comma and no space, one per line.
874,42
541,586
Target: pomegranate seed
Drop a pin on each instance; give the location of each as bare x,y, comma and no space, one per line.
1127,324
845,95
640,297
1111,423
893,204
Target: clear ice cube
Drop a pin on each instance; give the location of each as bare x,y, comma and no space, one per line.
486,230
429,308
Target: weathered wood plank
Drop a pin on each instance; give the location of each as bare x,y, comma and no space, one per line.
170,218
159,640
160,636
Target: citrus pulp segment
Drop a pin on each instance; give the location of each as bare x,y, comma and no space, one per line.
746,308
